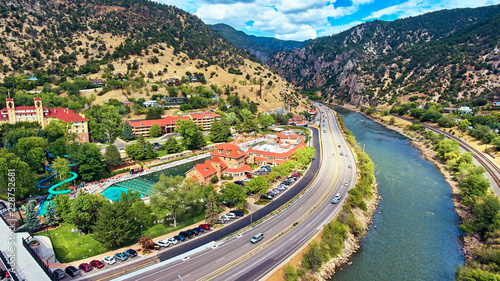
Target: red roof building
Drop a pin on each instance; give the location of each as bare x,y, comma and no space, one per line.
263,157
43,115
290,137
204,119
167,125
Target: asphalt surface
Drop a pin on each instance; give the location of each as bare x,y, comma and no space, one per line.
235,258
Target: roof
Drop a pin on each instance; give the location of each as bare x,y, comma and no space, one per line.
285,154
202,115
288,135
205,169
216,159
244,168
228,150
66,115
168,120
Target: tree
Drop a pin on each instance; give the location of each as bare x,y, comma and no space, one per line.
464,125
112,156
198,141
265,120
62,205
487,214
257,185
13,167
56,129
169,193
61,167
304,155
104,122
58,147
154,113
50,215
211,213
446,121
291,273
135,151
85,210
188,130
474,184
171,145
31,221
32,151
128,133
214,179
146,242
234,194
111,227
218,132
496,142
155,130
89,160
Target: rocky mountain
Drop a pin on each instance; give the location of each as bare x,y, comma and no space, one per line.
448,55
260,46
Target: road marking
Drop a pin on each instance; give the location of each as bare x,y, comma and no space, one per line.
219,259
107,277
292,237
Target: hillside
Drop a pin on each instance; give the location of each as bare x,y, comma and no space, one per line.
261,47
444,56
146,42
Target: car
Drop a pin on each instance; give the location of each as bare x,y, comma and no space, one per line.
187,234
324,131
195,230
179,238
155,247
269,194
341,153
58,272
239,183
120,256
297,175
280,188
333,155
339,145
85,267
230,215
238,213
97,264
245,180
223,219
350,166
199,229
346,183
249,176
72,271
172,241
266,197
338,195
205,226
163,243
347,155
257,238
335,201
130,252
109,260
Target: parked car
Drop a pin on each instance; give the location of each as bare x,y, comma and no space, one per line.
238,213
199,229
85,267
195,230
245,180
179,238
155,247
239,183
266,197
58,272
230,215
72,271
163,243
187,234
130,252
249,175
257,238
205,226
109,260
97,264
223,219
120,256
172,241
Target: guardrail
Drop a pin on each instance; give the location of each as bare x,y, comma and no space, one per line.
5,262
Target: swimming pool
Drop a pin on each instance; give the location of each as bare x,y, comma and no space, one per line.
113,192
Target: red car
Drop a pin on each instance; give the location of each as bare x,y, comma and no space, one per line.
85,267
205,226
249,176
96,263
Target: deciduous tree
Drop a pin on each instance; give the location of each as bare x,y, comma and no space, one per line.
112,156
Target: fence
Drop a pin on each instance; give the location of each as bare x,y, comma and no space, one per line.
41,263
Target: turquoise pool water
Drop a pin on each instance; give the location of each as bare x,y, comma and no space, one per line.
113,192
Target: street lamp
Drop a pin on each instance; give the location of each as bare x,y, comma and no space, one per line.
141,230
251,214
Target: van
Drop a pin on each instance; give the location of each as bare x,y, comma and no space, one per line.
257,238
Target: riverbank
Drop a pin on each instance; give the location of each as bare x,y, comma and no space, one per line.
427,152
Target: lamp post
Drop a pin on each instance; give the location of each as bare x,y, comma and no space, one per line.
251,218
141,230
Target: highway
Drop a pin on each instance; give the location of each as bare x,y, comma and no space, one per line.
286,232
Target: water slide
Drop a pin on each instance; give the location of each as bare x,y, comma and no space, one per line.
52,192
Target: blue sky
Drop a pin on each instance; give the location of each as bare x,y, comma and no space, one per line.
309,19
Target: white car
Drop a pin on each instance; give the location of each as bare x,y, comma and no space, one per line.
172,241
350,166
346,183
347,155
338,195
109,260
230,215
164,243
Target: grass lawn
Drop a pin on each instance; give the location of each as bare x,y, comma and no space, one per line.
66,245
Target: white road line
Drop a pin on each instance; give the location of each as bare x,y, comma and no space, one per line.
292,237
219,259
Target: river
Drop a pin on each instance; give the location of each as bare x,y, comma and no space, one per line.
417,234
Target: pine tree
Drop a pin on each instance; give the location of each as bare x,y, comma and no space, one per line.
172,146
219,133
112,156
128,134
39,133
6,144
50,215
197,141
32,222
211,213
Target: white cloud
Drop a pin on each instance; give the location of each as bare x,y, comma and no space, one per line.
393,9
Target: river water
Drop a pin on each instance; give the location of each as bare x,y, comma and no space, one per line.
417,229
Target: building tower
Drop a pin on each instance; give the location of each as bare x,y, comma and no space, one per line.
11,110
40,118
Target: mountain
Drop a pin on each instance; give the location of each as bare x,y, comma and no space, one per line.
260,46
444,56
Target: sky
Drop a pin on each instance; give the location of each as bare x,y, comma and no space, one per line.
308,19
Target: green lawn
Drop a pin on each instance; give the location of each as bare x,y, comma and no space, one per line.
66,242
66,245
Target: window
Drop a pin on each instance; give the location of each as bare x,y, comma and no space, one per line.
83,138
